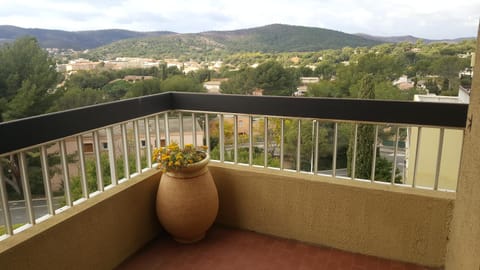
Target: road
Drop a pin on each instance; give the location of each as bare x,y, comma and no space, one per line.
385,152
18,212
19,215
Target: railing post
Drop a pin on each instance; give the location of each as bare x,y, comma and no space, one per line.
282,138
5,207
439,158
148,143
65,173
221,136
27,195
354,156
265,142
299,143
374,161
98,162
46,179
194,130
83,174
158,142
111,156
126,163
395,149
334,156
136,134
417,154
167,129
206,129
180,128
235,139
250,140
315,154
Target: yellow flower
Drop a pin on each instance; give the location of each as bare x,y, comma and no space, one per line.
173,157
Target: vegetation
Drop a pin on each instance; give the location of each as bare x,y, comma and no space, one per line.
364,144
27,79
91,173
217,44
80,40
173,158
29,85
3,230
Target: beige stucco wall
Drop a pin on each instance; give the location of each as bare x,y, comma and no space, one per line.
374,219
380,220
464,246
428,153
97,234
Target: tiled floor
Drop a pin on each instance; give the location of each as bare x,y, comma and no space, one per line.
225,248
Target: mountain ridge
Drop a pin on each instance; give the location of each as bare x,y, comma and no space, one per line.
272,38
269,38
410,38
77,40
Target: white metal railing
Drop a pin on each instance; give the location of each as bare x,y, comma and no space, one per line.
71,170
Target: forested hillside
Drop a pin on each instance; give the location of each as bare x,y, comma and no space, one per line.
271,38
80,40
30,85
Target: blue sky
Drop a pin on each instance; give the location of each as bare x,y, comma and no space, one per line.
433,19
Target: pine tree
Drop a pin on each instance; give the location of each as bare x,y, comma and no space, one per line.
365,136
27,79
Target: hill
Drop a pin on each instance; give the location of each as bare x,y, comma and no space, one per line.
80,40
269,39
411,39
285,38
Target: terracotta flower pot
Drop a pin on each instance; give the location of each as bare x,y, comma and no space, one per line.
187,202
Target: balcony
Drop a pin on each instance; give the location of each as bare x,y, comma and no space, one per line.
88,185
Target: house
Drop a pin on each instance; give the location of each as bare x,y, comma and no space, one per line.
191,66
301,91
212,86
307,80
134,78
403,83
257,92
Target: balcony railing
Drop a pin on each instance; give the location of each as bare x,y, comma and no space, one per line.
52,162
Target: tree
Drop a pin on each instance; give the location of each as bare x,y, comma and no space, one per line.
12,175
76,97
27,79
91,173
144,87
242,82
89,79
432,86
275,79
323,89
182,84
325,70
365,137
448,68
116,90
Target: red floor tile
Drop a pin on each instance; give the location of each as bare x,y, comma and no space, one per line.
225,249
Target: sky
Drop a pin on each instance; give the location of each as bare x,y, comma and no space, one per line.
431,19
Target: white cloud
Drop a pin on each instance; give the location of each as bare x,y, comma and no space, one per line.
427,18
